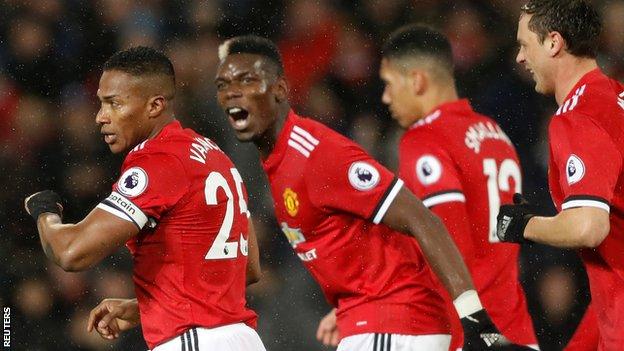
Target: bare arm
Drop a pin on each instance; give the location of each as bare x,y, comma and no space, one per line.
572,228
254,273
77,247
408,214
454,216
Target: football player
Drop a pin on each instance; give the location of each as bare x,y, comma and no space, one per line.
462,165
349,219
558,40
179,205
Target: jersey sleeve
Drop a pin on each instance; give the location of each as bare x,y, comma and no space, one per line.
342,177
586,159
429,171
149,186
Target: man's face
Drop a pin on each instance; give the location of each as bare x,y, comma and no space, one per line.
535,56
399,94
123,116
246,91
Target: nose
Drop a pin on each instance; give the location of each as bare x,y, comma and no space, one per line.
233,92
100,117
520,57
385,97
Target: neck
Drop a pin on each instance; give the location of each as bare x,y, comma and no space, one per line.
570,73
160,124
266,142
439,95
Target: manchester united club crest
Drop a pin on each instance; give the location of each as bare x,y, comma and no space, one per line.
291,202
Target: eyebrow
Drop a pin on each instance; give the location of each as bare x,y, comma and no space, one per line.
108,97
237,75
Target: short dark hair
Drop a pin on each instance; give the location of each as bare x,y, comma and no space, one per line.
418,40
576,20
253,44
139,61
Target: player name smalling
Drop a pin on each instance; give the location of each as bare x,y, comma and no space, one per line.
478,132
199,149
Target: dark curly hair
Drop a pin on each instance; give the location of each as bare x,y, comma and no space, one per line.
576,20
253,44
418,40
139,61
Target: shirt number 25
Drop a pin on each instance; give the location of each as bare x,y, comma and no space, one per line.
221,248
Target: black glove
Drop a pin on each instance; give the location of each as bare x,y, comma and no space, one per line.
43,201
481,334
512,219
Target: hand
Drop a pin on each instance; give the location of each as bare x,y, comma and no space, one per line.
512,219
43,201
481,334
327,331
113,316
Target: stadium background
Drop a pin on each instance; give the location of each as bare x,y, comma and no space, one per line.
50,54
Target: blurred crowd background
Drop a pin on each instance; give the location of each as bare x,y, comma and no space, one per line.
51,52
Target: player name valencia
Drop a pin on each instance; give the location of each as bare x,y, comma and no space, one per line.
200,149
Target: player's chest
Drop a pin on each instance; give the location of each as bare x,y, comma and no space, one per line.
301,222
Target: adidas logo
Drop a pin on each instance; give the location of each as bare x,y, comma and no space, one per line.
504,225
621,100
490,338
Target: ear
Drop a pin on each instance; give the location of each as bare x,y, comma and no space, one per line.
281,89
419,81
156,105
554,43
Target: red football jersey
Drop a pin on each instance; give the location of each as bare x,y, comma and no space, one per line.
190,256
330,197
586,169
463,167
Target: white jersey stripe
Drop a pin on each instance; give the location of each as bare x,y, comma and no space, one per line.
302,141
140,146
114,211
299,148
585,203
444,198
387,201
567,103
306,135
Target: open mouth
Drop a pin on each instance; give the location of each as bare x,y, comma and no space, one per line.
238,117
109,138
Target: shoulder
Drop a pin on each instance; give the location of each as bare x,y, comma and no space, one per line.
426,130
152,152
443,136
318,142
173,153
593,98
306,136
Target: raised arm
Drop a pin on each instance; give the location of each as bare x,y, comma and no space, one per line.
76,247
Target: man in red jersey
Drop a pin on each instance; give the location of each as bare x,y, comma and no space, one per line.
558,41
346,216
179,205
462,165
